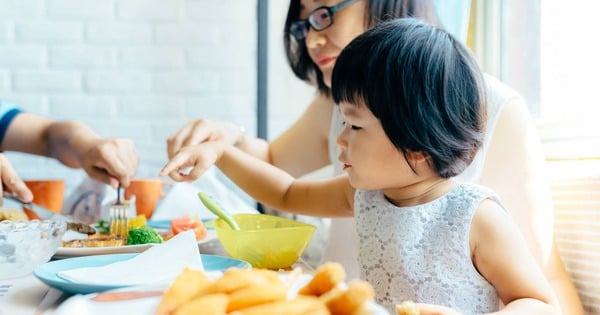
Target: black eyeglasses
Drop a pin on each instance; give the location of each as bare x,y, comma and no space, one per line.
319,19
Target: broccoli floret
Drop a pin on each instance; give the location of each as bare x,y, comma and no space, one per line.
143,235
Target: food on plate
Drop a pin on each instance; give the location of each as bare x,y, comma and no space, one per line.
264,292
143,235
298,306
261,293
327,276
188,284
349,300
12,215
103,227
185,223
81,228
136,222
211,304
407,308
95,241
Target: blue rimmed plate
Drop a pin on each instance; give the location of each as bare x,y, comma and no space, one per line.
48,272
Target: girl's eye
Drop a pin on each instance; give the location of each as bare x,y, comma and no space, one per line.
355,127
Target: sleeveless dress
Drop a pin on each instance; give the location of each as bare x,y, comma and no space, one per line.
422,253
343,244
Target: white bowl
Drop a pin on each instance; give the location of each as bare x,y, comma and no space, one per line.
26,244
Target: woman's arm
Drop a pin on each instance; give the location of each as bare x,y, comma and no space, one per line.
111,161
515,149
302,148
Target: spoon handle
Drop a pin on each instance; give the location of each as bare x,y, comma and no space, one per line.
213,205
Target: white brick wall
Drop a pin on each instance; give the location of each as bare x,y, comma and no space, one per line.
141,69
128,68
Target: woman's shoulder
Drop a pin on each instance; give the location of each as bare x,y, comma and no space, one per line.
499,95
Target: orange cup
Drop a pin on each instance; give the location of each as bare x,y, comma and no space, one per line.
147,192
48,193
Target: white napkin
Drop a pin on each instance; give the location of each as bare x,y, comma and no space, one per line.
158,264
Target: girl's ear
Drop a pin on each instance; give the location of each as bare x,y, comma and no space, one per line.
417,159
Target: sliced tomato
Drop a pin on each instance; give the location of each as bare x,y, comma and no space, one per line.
186,223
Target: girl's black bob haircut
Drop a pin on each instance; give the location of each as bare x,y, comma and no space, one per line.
376,11
422,84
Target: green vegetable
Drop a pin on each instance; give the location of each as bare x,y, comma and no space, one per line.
143,235
103,227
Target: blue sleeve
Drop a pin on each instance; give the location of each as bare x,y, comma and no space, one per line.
7,113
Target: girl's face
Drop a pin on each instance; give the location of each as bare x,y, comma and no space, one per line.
369,157
325,46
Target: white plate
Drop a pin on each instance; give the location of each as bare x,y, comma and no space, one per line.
67,252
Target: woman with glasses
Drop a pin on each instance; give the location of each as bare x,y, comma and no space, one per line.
315,33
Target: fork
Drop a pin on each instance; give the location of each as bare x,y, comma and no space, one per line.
119,216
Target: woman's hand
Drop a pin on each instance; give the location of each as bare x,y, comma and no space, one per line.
203,130
190,162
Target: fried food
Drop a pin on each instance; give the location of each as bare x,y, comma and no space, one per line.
263,292
236,279
188,284
212,304
255,295
101,241
327,277
407,308
342,301
301,305
12,215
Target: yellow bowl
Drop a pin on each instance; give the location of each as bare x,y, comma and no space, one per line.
265,241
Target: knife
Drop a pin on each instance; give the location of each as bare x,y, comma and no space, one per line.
42,212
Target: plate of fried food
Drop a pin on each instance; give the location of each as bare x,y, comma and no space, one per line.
237,291
142,234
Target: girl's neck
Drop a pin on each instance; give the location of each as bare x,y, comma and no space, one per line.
423,193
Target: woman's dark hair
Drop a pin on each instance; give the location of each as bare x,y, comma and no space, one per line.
376,11
422,84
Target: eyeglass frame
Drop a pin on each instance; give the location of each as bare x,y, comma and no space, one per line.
305,24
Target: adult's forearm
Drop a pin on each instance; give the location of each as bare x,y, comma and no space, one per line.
68,141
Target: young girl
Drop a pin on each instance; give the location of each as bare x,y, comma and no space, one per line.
412,101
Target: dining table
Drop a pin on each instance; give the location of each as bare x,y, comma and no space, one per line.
27,295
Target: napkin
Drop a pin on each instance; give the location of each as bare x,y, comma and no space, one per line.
158,264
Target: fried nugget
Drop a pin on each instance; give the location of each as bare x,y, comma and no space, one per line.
407,308
187,285
236,279
347,301
301,305
327,276
212,304
255,295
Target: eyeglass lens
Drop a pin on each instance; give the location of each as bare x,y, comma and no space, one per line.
320,19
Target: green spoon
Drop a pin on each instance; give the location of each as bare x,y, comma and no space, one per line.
215,207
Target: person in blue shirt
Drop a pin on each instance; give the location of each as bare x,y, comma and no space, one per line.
109,160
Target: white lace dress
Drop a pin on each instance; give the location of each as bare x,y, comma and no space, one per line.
422,253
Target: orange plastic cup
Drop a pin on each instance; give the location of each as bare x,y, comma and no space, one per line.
147,192
48,193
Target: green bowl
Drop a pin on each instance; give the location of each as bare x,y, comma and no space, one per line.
265,241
